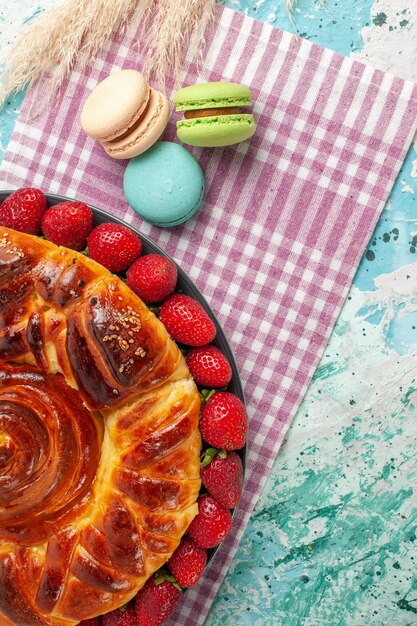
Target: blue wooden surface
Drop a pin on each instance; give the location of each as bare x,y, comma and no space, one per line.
332,540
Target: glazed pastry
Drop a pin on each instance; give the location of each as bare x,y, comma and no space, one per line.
215,114
125,114
99,439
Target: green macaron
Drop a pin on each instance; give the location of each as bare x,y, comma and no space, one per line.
215,114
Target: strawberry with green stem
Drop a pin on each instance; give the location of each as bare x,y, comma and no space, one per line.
224,422
157,600
222,476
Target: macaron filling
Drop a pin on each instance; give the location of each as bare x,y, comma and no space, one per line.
189,115
211,103
130,129
215,109
140,119
148,126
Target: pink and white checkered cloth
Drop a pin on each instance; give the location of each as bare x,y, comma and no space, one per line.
286,217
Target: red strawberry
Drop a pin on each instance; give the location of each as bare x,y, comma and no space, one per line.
209,367
222,476
125,616
68,224
186,320
93,621
113,245
156,601
187,562
23,210
224,422
152,277
211,524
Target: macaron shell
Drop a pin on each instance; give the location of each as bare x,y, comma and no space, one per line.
165,184
114,105
183,218
151,127
211,95
217,131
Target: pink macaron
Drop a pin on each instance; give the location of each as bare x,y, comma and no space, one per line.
125,114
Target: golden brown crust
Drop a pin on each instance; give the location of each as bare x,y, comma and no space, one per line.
99,439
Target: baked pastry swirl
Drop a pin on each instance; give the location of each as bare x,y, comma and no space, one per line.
99,439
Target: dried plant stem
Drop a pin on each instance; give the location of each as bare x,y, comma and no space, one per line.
75,30
174,23
54,41
289,7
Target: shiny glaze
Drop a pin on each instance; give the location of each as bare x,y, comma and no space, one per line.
99,440
55,443
110,349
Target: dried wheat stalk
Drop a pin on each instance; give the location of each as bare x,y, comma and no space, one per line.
174,23
61,34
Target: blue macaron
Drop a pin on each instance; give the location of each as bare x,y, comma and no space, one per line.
165,184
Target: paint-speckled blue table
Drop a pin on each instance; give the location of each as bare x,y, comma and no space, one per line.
332,541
